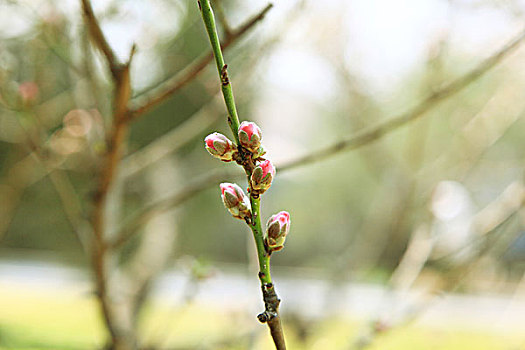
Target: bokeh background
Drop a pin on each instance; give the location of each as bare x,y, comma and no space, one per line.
413,241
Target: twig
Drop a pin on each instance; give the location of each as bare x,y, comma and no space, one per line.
222,67
490,220
201,120
161,93
375,132
156,150
418,253
270,298
172,140
98,37
116,143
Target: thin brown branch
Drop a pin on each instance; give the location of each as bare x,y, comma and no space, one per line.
116,143
98,37
110,163
190,128
276,331
159,94
173,140
271,315
375,132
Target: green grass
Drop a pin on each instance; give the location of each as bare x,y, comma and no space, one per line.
69,319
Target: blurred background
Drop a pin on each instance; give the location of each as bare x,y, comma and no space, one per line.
414,240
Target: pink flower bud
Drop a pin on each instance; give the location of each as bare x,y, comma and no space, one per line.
262,176
28,92
250,136
277,228
220,146
235,200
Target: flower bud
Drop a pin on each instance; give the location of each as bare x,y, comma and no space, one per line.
220,146
235,200
277,228
28,92
262,176
250,136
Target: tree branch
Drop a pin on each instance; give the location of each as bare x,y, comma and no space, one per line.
375,132
116,142
505,208
270,316
159,94
172,140
98,37
358,140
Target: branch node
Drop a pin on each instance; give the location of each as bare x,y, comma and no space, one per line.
225,80
271,303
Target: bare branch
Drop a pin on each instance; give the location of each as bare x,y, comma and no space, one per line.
116,141
159,94
375,132
172,140
418,253
509,201
98,37
198,123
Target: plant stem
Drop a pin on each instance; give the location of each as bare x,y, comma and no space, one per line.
271,301
226,86
162,91
262,255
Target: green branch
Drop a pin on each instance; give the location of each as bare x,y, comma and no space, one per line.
246,159
226,86
262,254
